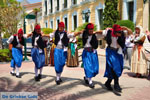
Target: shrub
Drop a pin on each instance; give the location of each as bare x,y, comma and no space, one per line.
80,43
127,23
6,35
47,30
5,55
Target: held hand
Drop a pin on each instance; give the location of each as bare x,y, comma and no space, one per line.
147,32
124,28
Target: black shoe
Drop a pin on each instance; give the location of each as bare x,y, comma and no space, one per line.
108,86
18,76
86,81
91,85
39,76
58,82
13,74
117,88
36,78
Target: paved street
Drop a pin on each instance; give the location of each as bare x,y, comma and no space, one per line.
73,87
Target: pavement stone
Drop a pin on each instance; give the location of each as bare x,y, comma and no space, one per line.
73,86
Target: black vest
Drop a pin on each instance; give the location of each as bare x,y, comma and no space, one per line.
15,42
120,40
93,42
40,43
64,40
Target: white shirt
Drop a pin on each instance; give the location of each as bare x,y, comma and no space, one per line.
12,37
128,42
35,41
69,35
98,36
73,40
114,42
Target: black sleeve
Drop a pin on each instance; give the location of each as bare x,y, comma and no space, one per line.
121,40
108,37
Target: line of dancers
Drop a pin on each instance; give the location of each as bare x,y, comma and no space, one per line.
115,38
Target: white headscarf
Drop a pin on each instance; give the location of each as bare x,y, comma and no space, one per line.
141,33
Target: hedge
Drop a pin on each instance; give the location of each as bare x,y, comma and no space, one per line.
47,30
5,55
127,23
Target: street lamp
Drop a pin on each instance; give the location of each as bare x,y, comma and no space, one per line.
29,16
86,15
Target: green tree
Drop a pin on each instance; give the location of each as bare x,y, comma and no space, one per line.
9,17
111,14
9,14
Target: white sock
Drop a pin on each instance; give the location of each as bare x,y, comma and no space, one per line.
58,76
13,70
90,80
41,70
36,71
17,71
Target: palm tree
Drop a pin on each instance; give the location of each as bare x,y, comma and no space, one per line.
36,10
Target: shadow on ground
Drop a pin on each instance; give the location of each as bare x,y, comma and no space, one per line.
52,92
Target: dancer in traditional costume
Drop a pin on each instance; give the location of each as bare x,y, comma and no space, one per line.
138,59
37,52
60,52
89,55
17,41
72,55
114,55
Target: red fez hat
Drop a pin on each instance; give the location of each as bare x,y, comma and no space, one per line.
61,24
116,27
90,26
37,27
20,31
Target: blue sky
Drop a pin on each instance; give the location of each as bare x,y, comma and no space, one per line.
32,1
